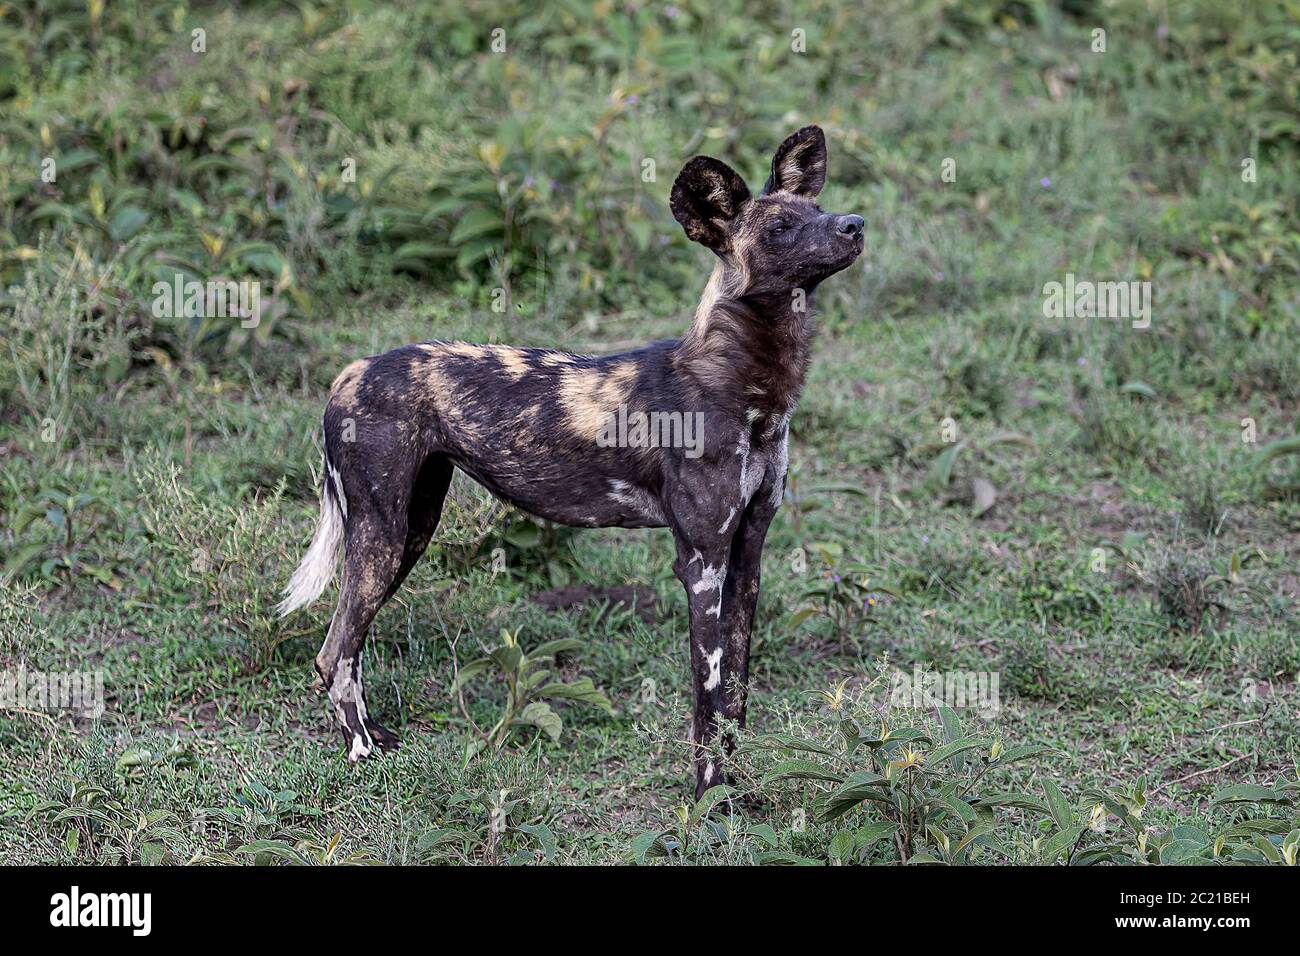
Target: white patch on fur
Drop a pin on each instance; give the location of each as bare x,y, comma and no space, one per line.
778,426
781,464
715,669
338,486
711,580
642,503
359,690
727,524
345,690
320,561
712,292
751,468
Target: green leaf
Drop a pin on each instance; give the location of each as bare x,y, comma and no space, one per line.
781,858
262,850
581,689
78,159
126,222
475,252
800,770
18,560
1138,388
924,859
1008,438
471,670
1024,752
649,845
413,255
873,833
539,714
1062,842
1273,825
1270,852
858,787
542,833
712,797
1021,801
1190,833
961,746
764,832
1276,449
1062,816
943,465
799,616
959,808
951,724
841,847
1247,793
475,223
551,648
433,840
787,742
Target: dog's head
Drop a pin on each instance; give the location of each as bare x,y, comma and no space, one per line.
779,240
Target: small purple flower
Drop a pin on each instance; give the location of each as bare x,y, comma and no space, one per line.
1081,360
672,11
633,100
871,601
1044,182
836,578
529,182
925,539
1162,31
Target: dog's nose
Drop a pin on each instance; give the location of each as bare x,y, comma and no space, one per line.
849,226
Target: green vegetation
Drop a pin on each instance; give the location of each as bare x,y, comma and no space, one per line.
1105,517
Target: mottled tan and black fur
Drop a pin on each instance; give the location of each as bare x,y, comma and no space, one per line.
524,423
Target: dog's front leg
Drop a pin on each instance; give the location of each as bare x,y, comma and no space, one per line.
740,599
701,566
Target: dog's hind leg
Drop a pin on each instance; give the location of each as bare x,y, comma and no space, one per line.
382,545
372,560
427,496
425,511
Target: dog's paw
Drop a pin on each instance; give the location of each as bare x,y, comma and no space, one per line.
384,738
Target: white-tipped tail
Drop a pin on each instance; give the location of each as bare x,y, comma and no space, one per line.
321,560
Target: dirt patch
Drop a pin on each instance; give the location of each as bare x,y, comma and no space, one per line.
640,599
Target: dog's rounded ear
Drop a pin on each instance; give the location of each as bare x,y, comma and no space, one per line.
799,165
707,195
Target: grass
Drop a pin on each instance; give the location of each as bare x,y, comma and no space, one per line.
159,475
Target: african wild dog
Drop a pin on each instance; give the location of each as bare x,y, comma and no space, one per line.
524,423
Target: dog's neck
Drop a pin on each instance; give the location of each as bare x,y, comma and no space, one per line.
746,351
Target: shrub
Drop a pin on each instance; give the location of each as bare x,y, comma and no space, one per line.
231,557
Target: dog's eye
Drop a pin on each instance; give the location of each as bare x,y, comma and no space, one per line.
777,228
